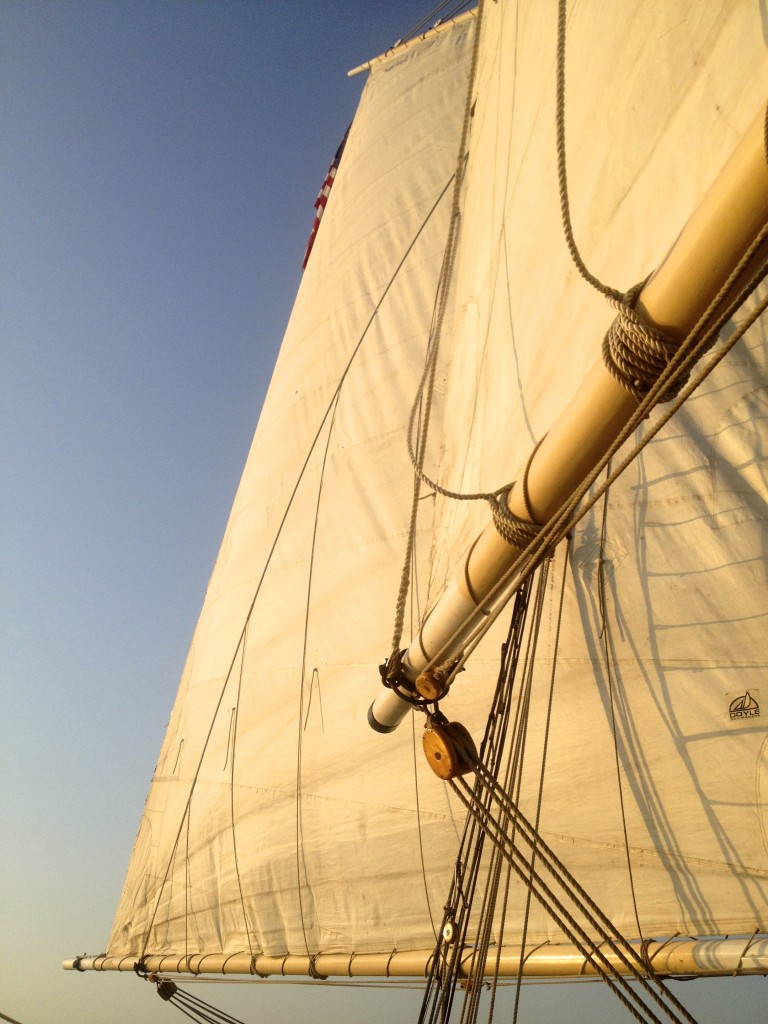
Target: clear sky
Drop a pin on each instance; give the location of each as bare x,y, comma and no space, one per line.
159,163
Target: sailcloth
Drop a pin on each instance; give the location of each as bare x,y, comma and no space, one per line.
277,821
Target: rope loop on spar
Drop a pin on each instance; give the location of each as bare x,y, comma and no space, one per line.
394,678
254,969
514,530
636,353
313,972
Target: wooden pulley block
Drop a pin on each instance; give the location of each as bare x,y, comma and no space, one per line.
464,738
444,745
431,684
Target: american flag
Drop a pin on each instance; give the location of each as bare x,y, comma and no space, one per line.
322,197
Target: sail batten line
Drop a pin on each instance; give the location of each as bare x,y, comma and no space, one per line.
289,505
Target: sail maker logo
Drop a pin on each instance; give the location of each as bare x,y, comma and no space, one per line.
744,706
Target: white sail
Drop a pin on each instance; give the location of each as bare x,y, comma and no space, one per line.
278,823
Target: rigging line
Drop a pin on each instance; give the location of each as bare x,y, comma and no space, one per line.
516,757
568,924
602,924
515,761
429,20
554,865
561,161
564,920
193,1012
419,830
607,650
187,885
667,414
569,514
315,681
236,713
195,1002
409,248
464,882
192,1016
423,400
540,797
300,854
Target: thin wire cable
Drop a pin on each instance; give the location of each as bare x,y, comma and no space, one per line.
300,855
273,547
540,797
555,908
607,652
238,876
422,405
199,1010
446,962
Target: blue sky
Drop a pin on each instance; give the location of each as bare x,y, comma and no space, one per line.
158,171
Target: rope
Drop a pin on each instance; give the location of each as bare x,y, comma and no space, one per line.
235,712
422,858
571,511
300,856
542,891
634,351
192,1006
446,962
542,772
510,833
562,175
423,402
271,552
607,652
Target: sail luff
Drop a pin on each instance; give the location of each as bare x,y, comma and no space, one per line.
714,957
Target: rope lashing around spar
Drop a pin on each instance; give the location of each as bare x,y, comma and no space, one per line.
636,353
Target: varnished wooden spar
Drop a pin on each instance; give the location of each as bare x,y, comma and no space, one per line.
709,248
699,957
